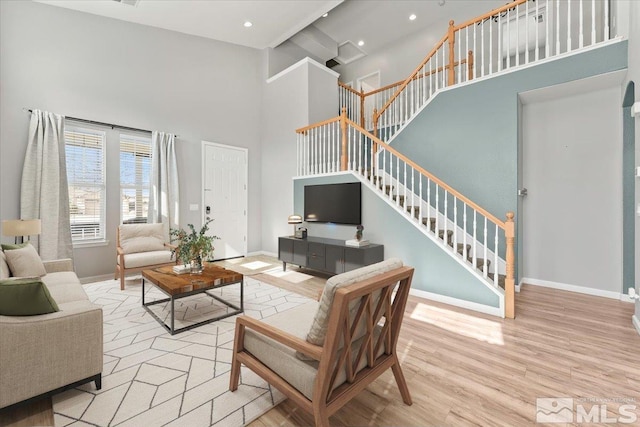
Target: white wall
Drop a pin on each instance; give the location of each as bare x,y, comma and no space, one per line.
633,74
303,94
572,167
98,68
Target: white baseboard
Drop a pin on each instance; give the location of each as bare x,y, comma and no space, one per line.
572,288
626,298
486,309
266,253
636,323
91,279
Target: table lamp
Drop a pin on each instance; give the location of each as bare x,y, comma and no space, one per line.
21,228
294,219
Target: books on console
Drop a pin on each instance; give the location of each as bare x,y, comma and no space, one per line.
357,243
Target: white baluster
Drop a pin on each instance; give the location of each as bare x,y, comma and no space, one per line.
606,20
384,171
475,240
397,181
437,213
459,56
444,63
500,47
537,56
526,28
413,192
446,218
495,259
406,184
455,224
490,46
437,83
569,47
517,37
557,2
298,155
547,39
465,253
420,201
593,22
360,142
508,39
323,134
429,204
486,261
430,78
581,38
482,49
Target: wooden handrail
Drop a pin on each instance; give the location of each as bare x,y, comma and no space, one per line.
494,12
412,75
429,175
347,87
416,77
316,125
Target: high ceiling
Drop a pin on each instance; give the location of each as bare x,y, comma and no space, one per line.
274,21
375,22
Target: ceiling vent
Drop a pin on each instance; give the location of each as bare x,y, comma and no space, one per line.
133,3
349,52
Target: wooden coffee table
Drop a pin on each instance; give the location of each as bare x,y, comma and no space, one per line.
180,286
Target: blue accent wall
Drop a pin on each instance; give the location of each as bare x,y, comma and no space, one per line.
468,136
435,270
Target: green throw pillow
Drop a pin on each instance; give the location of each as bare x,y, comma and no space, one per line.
11,246
25,297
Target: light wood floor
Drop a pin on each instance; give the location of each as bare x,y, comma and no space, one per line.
465,368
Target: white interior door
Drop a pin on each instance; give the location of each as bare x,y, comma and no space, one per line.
369,83
225,197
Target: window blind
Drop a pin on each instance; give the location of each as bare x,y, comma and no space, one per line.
84,149
135,169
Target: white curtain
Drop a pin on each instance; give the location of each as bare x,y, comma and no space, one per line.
164,198
44,191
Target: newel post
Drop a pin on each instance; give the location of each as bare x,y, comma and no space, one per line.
452,54
362,108
470,65
343,128
509,283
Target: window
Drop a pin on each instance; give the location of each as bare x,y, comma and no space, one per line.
135,168
84,149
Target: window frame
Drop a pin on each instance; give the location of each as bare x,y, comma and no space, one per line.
137,138
101,239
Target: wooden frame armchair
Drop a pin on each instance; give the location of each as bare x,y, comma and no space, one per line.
322,378
140,247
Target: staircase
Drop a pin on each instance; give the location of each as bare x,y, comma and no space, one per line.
519,34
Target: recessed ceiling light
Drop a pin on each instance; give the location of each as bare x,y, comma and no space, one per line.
248,24
412,17
361,43
325,15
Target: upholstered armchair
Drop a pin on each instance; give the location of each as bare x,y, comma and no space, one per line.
302,351
139,247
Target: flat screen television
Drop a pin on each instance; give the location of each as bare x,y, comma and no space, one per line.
337,203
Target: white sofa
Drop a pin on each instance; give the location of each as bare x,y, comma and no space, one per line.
51,352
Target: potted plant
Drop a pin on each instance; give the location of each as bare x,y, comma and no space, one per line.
193,247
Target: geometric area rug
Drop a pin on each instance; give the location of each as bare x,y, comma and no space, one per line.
151,378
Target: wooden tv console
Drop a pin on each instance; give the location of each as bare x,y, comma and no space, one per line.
327,255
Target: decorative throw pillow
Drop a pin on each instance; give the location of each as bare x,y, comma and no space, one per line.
5,273
135,238
25,262
12,246
25,297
